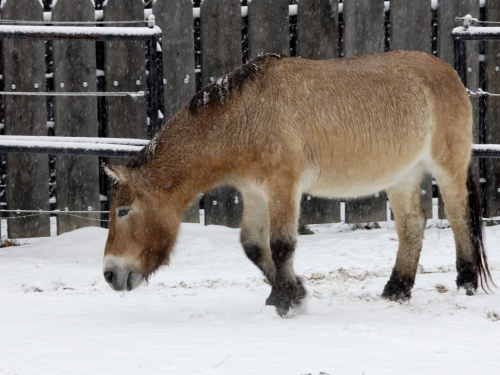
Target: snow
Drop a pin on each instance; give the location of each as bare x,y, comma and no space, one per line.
483,147
205,313
474,30
120,141
81,30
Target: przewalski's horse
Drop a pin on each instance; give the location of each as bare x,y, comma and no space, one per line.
278,127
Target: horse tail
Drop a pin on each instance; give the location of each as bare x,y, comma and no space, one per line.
477,233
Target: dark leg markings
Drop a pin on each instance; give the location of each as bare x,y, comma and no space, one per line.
398,288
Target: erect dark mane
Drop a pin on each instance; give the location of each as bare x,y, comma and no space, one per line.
221,89
143,156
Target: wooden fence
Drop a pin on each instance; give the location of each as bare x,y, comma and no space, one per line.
201,41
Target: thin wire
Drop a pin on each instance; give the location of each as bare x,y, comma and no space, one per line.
20,217
55,212
67,213
51,93
70,22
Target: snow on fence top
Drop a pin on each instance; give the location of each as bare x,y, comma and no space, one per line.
98,33
117,141
474,30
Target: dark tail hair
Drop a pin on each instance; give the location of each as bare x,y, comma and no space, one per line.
477,233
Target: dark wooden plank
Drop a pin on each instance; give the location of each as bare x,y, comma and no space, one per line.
448,10
192,215
317,29
221,53
125,70
317,39
367,209
220,38
224,206
315,210
411,30
411,25
27,175
364,33
268,29
74,64
363,27
492,131
175,18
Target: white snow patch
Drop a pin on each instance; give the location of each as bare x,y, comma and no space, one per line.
474,30
70,30
206,98
99,15
205,313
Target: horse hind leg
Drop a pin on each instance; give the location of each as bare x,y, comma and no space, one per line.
461,203
410,220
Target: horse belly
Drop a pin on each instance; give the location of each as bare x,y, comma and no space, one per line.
355,174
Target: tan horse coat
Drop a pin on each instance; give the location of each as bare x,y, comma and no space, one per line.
278,127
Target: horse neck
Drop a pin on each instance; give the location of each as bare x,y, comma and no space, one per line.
195,153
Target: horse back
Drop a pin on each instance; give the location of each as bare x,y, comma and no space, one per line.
366,120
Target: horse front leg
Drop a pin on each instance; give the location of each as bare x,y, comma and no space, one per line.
255,232
287,289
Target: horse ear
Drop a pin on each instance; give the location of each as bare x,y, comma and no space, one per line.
116,172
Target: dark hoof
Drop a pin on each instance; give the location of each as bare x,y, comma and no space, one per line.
286,297
280,301
398,289
467,277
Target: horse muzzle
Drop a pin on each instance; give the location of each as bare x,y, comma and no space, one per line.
119,276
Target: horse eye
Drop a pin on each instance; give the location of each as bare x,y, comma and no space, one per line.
123,212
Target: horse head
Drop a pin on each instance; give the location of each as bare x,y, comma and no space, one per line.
142,230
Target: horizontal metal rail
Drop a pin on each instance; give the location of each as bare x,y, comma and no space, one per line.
79,32
138,94
43,145
126,147
109,141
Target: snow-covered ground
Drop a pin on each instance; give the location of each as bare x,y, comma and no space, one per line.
205,313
